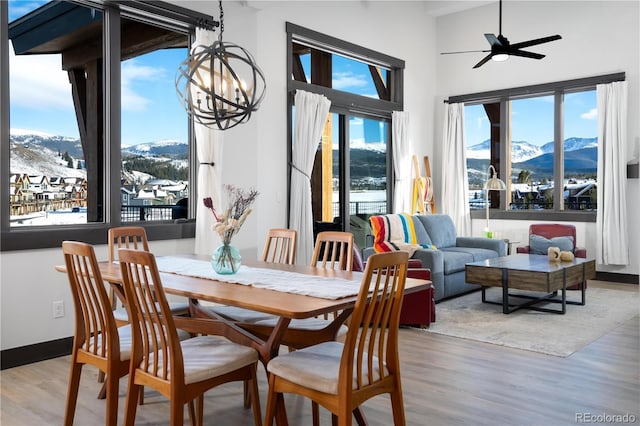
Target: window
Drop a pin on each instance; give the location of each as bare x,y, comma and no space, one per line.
91,107
352,173
542,140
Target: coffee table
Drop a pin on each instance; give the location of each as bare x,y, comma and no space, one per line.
532,273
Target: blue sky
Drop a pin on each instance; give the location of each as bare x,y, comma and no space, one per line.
532,119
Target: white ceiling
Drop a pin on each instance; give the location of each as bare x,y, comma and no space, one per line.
439,8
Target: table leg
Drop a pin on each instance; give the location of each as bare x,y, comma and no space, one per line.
564,291
505,291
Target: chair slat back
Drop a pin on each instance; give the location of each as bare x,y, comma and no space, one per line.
95,327
280,246
156,346
129,237
334,250
372,348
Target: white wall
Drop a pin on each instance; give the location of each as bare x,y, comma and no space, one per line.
598,37
29,284
255,153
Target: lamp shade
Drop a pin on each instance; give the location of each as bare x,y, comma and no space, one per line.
494,183
220,85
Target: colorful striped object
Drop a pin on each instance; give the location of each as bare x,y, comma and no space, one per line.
393,232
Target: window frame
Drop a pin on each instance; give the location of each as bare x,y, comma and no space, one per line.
345,104
558,90
37,237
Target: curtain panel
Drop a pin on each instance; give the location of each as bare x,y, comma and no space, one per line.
455,183
401,162
611,218
209,152
311,112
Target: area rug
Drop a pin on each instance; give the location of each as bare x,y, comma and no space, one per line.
607,306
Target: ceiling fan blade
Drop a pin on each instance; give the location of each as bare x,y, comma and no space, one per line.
483,61
493,40
464,51
535,42
525,54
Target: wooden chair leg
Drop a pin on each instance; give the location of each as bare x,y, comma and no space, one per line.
272,399
72,393
360,418
131,404
247,394
255,400
397,406
113,385
315,413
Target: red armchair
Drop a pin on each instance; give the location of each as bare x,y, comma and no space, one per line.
418,309
552,230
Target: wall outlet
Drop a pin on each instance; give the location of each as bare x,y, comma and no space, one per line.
58,309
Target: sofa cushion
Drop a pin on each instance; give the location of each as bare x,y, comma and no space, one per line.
440,228
540,245
393,232
455,261
478,253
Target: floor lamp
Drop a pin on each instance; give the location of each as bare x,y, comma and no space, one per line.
492,184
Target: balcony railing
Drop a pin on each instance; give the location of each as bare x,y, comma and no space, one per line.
152,213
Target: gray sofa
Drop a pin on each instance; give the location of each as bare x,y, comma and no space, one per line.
447,262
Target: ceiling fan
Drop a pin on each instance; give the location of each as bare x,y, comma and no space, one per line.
501,49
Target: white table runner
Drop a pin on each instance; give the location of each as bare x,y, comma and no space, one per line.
271,279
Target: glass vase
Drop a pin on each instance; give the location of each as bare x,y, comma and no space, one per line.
226,259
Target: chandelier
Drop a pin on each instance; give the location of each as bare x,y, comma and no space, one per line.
220,85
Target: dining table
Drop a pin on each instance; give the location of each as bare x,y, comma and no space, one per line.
188,276
289,292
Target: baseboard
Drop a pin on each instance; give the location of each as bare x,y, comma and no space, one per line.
617,278
23,355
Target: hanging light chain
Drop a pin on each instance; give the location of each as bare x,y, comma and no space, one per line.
221,21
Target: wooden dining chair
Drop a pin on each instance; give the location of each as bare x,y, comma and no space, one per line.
333,249
342,376
97,339
182,371
280,246
135,238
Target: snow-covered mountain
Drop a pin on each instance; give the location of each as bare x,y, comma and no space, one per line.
38,153
523,151
158,148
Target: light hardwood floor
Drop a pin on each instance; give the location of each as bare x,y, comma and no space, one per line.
446,381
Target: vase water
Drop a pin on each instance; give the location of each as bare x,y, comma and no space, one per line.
226,259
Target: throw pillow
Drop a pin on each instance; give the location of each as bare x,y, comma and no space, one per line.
392,232
540,245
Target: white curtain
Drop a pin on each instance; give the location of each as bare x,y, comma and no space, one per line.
401,162
209,151
310,117
611,218
455,184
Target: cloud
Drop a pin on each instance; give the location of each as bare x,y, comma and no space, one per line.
132,73
592,114
346,80
38,82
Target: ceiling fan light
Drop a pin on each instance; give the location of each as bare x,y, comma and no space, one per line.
500,57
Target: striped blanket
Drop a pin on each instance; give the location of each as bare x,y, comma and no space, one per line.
392,232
